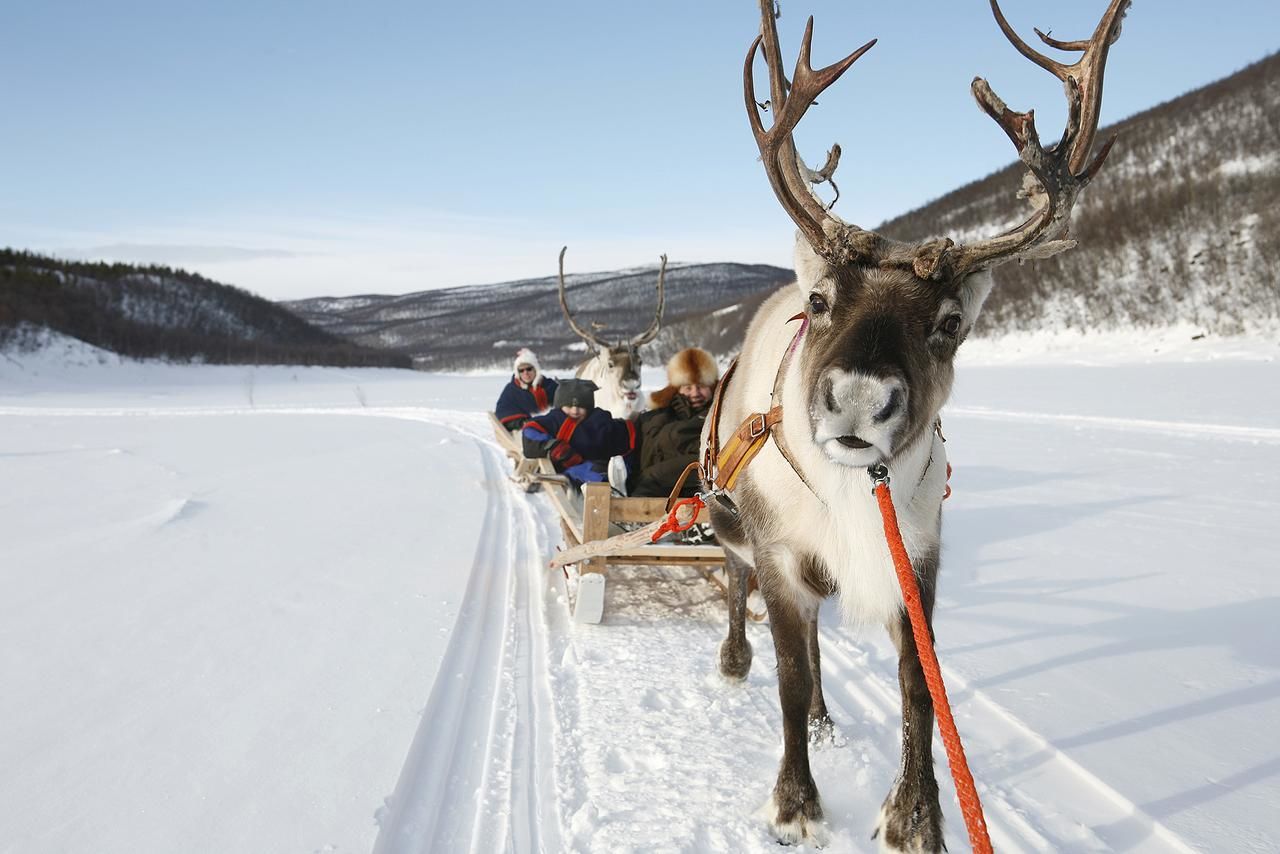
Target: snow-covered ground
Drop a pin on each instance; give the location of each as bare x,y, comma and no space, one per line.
290,609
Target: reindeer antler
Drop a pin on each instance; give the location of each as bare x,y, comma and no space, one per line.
585,334
1060,173
789,177
589,335
647,336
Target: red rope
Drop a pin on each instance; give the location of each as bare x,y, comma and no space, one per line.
970,806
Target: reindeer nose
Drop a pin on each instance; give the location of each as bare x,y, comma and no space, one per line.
897,399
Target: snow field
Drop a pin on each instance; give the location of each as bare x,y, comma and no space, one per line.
304,609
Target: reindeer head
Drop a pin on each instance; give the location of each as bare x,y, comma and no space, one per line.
883,318
619,362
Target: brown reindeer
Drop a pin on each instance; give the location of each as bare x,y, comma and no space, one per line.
859,355
614,368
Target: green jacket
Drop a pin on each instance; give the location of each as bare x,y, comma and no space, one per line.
669,439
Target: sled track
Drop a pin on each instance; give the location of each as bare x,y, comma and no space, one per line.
480,772
480,766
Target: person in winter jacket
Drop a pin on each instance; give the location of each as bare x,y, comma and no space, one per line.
528,394
578,437
671,431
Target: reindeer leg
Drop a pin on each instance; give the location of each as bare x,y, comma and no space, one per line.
821,728
795,808
735,651
911,819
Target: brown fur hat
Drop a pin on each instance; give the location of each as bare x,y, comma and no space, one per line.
692,366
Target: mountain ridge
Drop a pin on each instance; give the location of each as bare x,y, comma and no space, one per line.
1176,229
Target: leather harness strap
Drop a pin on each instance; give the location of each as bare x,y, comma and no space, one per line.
743,445
721,467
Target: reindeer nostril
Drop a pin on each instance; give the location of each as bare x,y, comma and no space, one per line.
828,397
890,408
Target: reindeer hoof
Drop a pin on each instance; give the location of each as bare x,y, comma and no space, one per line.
735,659
910,822
797,824
823,733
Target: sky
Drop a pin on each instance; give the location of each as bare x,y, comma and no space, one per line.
324,148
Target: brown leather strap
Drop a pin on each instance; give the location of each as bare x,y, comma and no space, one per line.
742,447
713,439
684,475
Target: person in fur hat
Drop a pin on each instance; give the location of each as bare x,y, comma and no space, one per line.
579,437
671,431
528,394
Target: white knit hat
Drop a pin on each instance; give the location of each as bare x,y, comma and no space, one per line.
525,356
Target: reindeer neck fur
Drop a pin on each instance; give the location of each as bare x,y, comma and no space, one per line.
833,525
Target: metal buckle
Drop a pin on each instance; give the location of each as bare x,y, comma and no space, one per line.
879,474
757,432
721,497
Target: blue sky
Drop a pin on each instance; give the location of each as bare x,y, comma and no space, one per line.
317,148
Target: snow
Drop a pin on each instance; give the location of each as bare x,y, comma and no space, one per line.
1248,164
303,609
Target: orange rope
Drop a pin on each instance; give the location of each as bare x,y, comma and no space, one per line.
970,806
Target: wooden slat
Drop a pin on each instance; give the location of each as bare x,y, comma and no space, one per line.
564,504
676,560
595,520
656,553
644,510
503,436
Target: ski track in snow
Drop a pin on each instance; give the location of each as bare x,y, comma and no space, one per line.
476,774
545,735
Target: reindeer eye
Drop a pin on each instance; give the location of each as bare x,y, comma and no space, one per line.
950,325
817,304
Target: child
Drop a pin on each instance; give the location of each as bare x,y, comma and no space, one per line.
578,438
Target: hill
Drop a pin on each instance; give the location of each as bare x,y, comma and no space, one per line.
1181,226
158,312
483,325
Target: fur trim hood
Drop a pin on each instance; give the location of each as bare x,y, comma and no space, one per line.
525,356
692,366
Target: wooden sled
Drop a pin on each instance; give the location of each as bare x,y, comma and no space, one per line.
595,513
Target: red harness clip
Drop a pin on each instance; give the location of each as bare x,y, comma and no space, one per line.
673,524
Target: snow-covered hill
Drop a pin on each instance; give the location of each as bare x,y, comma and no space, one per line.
482,326
1180,229
1182,225
303,609
158,312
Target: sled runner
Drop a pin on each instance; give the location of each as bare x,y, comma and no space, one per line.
594,513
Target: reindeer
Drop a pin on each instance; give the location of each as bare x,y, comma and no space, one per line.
614,368
859,355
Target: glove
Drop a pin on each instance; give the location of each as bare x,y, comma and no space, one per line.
562,456
586,472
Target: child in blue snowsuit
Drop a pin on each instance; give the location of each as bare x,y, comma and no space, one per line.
578,438
528,394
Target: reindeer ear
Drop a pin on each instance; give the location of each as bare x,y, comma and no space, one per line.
810,267
973,293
